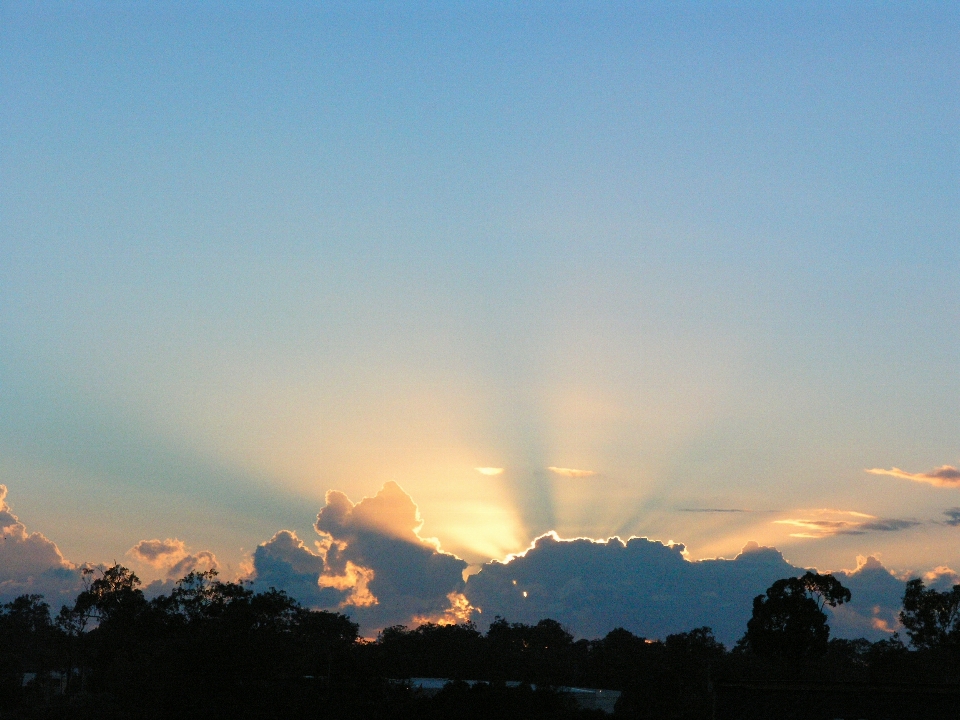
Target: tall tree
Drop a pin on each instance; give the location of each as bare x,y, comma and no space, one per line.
789,619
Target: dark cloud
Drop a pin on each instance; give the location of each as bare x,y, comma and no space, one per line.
642,585
953,516
652,590
285,563
31,563
888,525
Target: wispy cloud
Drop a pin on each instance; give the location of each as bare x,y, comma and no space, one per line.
953,516
571,472
826,522
489,470
720,510
888,525
943,476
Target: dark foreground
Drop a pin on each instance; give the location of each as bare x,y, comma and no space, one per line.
217,650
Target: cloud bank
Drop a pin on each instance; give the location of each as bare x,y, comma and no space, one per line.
652,590
370,562
943,476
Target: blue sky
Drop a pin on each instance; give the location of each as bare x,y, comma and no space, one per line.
706,253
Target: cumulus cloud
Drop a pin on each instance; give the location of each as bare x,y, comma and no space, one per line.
943,476
877,598
377,559
645,586
32,563
941,578
571,472
651,589
158,553
172,557
370,562
489,470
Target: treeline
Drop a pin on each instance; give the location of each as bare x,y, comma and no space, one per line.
217,649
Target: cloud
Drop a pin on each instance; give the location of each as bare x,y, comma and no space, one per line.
32,563
377,559
888,525
713,510
370,563
645,586
842,522
173,557
953,516
571,472
651,589
941,578
877,597
285,563
943,476
159,553
489,470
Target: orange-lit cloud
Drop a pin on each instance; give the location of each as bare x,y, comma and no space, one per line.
571,472
172,556
943,476
489,470
460,611
159,553
941,576
355,580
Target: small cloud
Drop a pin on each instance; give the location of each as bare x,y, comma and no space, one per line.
807,528
953,516
571,472
888,525
713,510
172,556
159,553
489,470
842,522
943,476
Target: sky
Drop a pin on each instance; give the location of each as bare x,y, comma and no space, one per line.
679,271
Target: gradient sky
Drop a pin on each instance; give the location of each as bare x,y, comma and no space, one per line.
705,253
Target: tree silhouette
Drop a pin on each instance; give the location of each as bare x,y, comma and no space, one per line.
789,620
931,618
